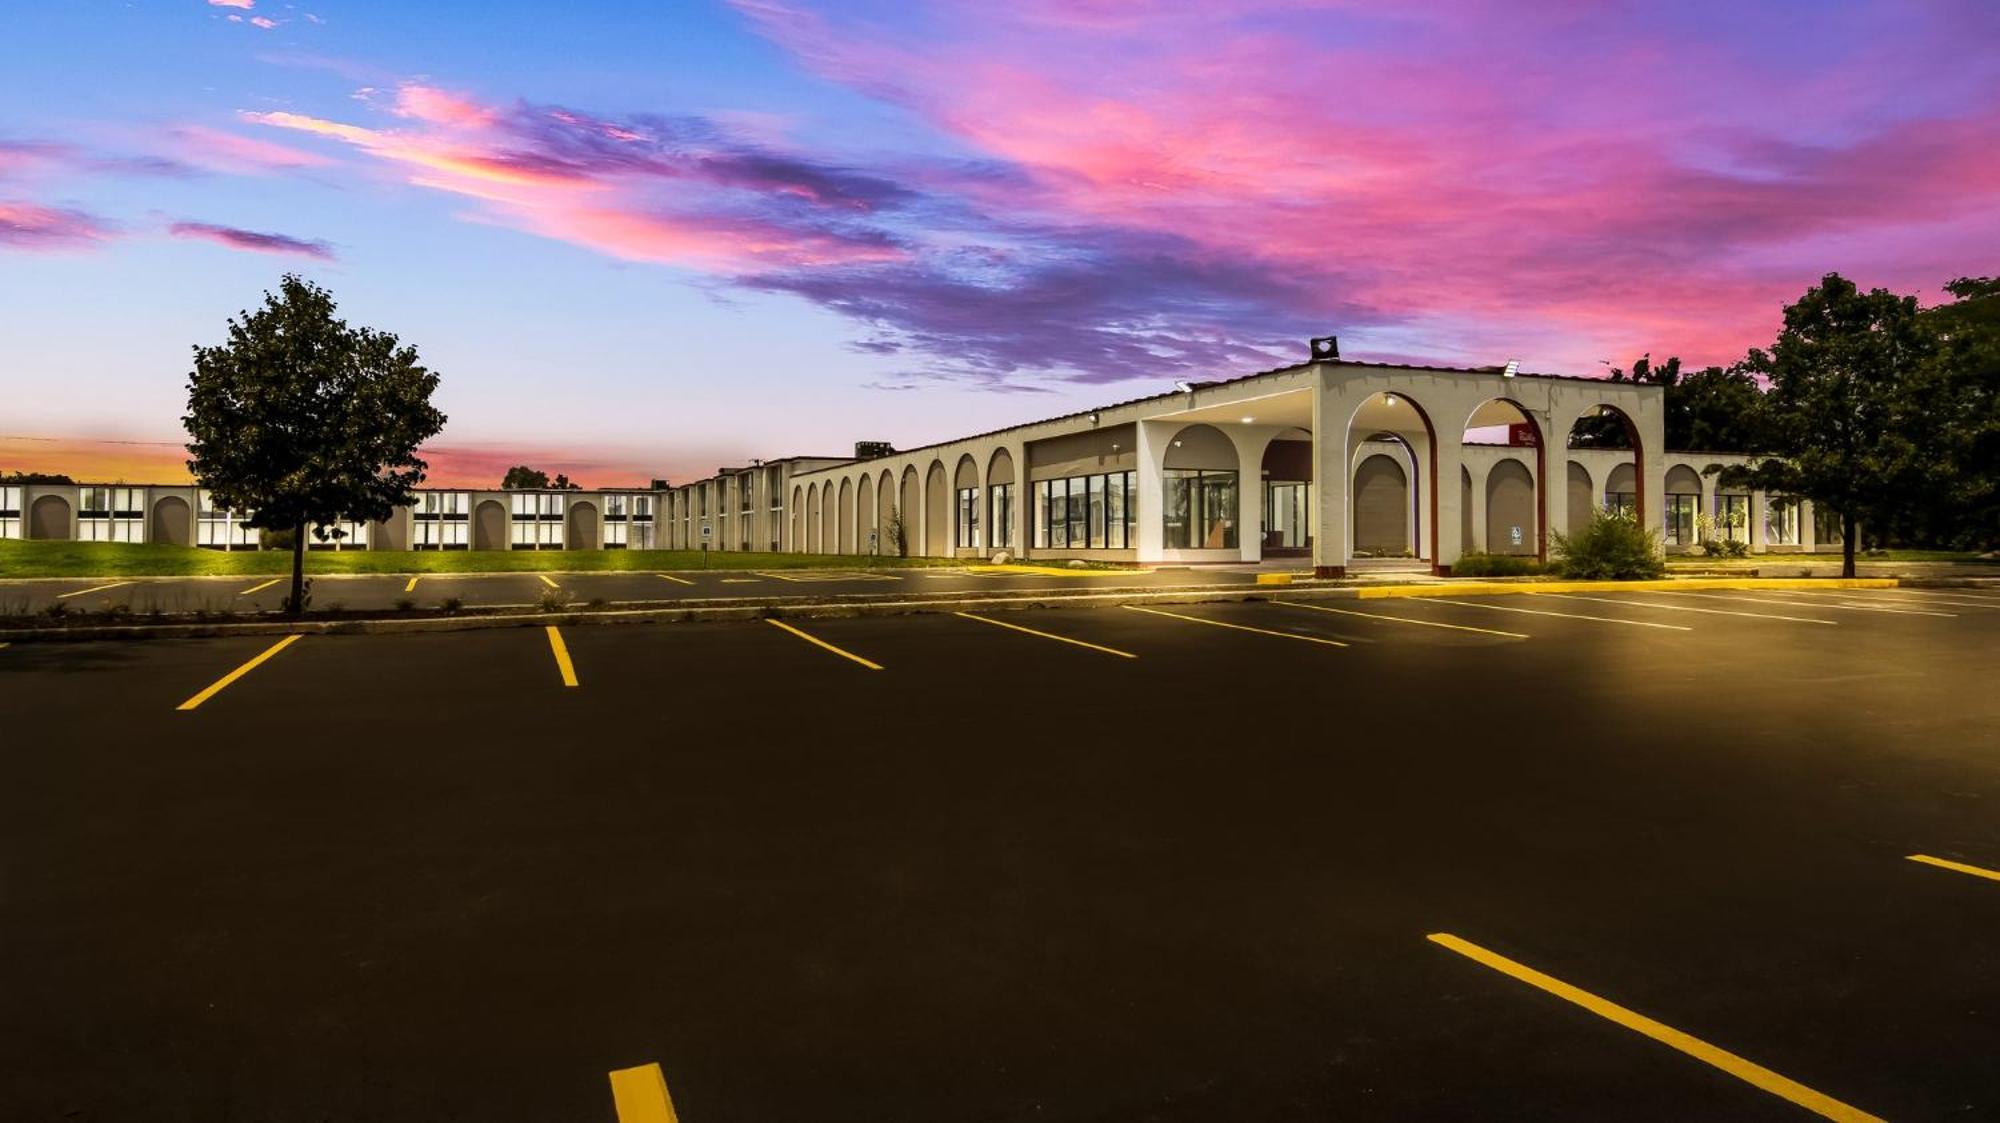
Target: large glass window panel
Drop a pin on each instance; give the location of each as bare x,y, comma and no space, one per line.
1732,517
1781,521
1680,513
1178,508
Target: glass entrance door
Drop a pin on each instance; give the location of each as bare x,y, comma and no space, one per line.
1286,522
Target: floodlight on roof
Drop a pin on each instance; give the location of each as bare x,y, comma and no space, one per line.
1513,367
1184,386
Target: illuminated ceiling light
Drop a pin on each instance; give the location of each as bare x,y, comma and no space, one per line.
1389,399
1248,420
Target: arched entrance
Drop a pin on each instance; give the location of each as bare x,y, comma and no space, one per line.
1521,525
937,512
1201,491
829,528
170,522
798,519
909,507
1287,474
1608,427
865,540
968,531
48,518
582,526
845,529
489,526
1393,426
1001,502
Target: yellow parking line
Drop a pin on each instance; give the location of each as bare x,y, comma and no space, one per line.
561,650
1401,619
1691,608
775,576
1564,615
1237,627
238,673
1046,635
675,580
412,586
1823,1105
818,642
1941,863
640,1095
260,588
96,589
544,579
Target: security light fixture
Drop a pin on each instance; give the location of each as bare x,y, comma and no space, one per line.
1184,386
1326,347
1513,366
1095,417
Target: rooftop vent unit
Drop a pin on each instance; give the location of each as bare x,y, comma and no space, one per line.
869,450
1326,347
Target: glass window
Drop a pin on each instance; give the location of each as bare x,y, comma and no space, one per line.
967,536
439,520
538,521
1200,509
1680,513
1624,503
1826,525
111,514
1732,517
1002,519
1078,513
10,512
346,534
1781,521
218,528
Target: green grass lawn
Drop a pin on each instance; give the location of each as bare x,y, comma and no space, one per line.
111,559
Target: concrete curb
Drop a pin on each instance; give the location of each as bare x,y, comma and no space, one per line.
890,604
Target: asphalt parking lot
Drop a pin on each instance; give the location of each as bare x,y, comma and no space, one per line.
1462,858
374,592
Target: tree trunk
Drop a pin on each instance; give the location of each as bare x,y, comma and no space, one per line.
1846,544
297,606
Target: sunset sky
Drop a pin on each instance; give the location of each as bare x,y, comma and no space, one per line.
649,239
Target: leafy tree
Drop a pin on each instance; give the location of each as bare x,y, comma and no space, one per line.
523,478
1715,409
35,478
562,483
1841,404
1956,408
303,420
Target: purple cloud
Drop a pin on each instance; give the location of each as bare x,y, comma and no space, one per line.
253,240
31,226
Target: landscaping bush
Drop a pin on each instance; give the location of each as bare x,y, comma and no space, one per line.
1725,548
1613,547
1496,565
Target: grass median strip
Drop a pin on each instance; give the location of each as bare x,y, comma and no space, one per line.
1234,627
1755,1074
820,643
1563,615
561,652
1402,619
92,589
1956,867
260,588
639,1095
1691,608
225,680
1045,635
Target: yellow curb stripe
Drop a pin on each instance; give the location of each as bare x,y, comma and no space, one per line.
1565,615
1958,867
1692,608
1755,1074
1403,619
818,642
238,673
412,586
640,1095
1235,627
260,588
1045,635
561,650
95,589
675,580
544,579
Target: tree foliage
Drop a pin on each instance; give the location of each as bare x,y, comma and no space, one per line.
523,478
1715,409
302,420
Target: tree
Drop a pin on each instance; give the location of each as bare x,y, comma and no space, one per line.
305,421
1957,405
562,483
35,478
523,478
1840,407
1715,409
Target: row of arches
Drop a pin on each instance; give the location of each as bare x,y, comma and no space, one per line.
859,514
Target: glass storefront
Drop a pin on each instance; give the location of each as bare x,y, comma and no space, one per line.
1199,509
1287,515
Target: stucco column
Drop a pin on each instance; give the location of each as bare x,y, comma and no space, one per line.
1250,442
1024,501
1808,527
1151,479
1477,502
1707,510
1652,471
1758,544
1447,480
1331,472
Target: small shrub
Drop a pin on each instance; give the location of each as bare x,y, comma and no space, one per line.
451,604
405,604
555,600
1496,565
1612,547
1725,548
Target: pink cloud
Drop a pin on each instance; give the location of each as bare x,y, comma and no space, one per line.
264,22
255,241
223,151
246,5
30,226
